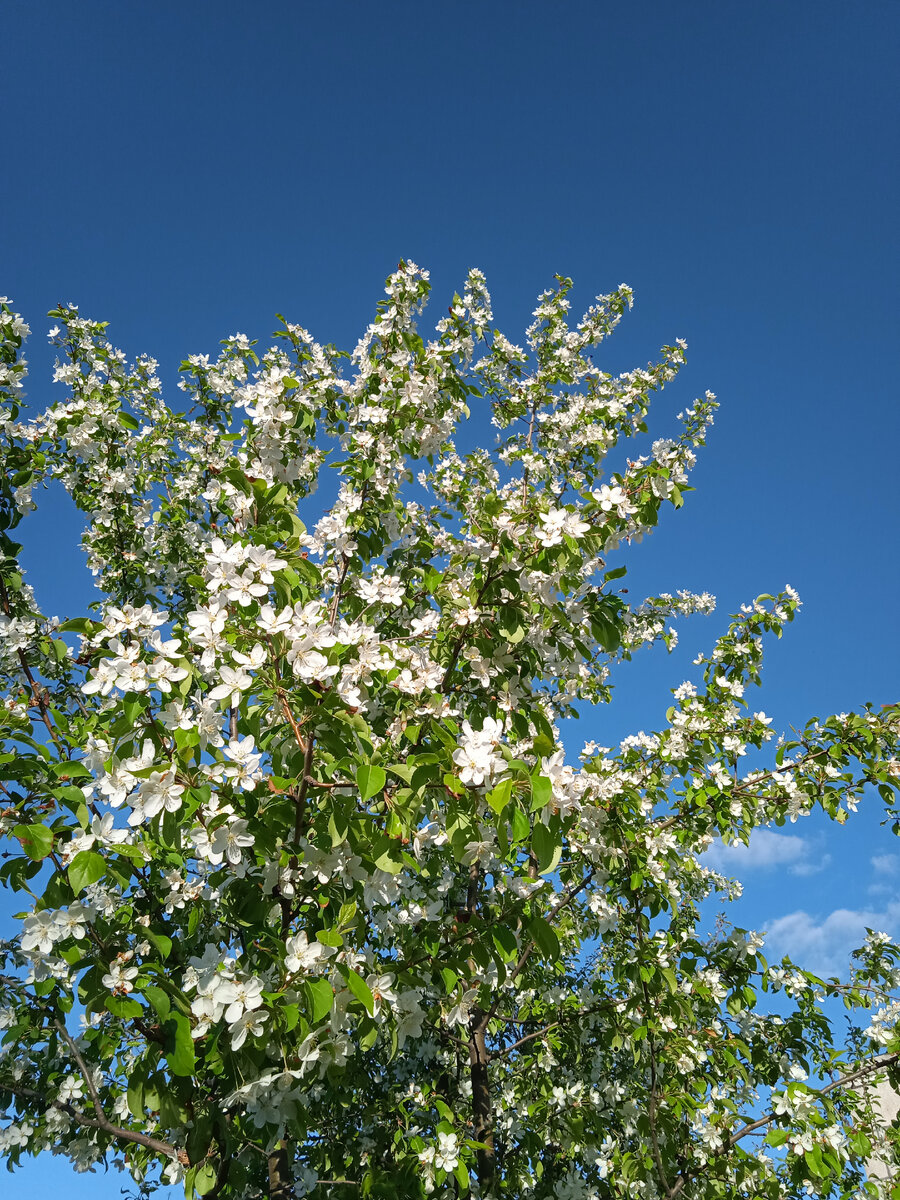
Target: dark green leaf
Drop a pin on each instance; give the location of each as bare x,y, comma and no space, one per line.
320,998
361,990
370,780
37,840
544,937
86,868
181,1055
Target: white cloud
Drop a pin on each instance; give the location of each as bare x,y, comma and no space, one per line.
885,864
811,866
765,851
824,946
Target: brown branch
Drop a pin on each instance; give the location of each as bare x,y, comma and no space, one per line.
336,600
300,801
82,1066
870,1068
102,1122
281,1181
128,1135
668,822
522,1041
457,649
36,690
654,1081
472,889
566,899
482,1104
292,720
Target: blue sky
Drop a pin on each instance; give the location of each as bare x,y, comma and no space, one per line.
185,170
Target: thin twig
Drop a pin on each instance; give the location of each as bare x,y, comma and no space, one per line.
82,1066
654,1081
36,690
129,1135
566,899
292,721
845,1080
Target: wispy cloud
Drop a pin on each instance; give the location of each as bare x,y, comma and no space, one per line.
885,864
823,945
767,850
811,866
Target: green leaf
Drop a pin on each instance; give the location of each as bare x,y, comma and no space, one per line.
462,1174
199,1137
547,847
453,784
181,1057
521,826
777,1137
329,937
70,770
162,943
136,1097
510,623
370,780
76,625
238,478
124,1007
320,998
505,941
338,824
133,706
388,855
37,840
290,1014
361,990
544,937
86,868
541,792
544,745
159,999
606,633
814,1162
204,1179
499,797
72,797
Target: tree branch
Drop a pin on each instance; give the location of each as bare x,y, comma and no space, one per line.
653,1106
845,1080
105,1126
36,691
565,900
870,1068
292,721
82,1066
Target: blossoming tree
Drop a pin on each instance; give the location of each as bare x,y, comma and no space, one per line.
314,900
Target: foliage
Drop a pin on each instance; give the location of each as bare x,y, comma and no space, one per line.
314,903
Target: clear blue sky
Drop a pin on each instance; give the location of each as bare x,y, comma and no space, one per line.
185,170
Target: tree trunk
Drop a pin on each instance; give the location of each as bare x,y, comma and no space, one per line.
281,1177
482,1108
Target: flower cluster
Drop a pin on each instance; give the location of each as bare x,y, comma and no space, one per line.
300,847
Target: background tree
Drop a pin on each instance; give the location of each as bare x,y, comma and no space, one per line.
315,902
